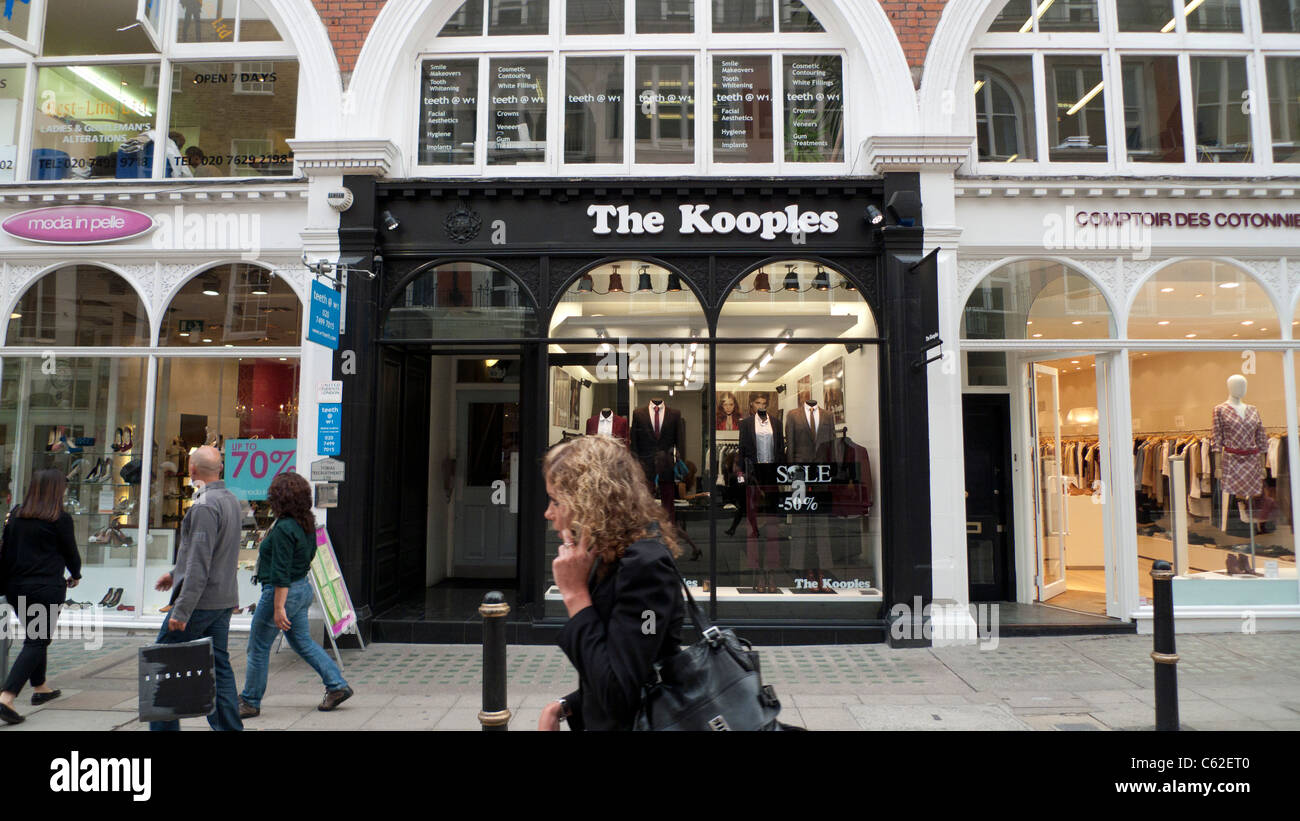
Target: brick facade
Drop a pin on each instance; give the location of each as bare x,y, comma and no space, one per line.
349,21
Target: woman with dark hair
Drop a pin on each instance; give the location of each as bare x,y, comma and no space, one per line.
38,546
283,561
618,579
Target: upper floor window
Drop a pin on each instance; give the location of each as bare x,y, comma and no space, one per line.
589,86
129,89
1144,86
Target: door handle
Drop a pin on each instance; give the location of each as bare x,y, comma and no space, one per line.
976,528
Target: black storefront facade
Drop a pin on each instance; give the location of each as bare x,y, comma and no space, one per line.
508,315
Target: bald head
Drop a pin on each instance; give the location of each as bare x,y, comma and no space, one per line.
205,464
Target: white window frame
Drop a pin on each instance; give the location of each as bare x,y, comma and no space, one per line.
167,59
1251,44
701,45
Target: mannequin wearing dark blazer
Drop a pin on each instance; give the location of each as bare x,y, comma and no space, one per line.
746,463
620,426
659,453
802,445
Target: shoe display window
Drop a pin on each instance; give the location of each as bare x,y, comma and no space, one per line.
81,415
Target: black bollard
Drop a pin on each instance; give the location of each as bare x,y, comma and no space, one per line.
1165,657
495,715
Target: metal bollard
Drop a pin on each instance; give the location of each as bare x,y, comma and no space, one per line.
1165,657
495,715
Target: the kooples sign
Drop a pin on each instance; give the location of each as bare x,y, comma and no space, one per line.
1188,219
695,218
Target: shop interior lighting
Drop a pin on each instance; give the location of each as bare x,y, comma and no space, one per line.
390,222
874,215
1247,322
821,282
1013,158
978,85
1163,322
674,283
210,286
1077,322
1229,284
1074,109
643,282
791,279
15,315
761,282
105,85
615,283
1029,24
1166,290
788,333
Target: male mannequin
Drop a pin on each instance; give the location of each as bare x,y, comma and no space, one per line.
608,423
761,443
658,439
809,431
1238,433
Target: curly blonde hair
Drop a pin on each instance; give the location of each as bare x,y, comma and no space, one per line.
604,489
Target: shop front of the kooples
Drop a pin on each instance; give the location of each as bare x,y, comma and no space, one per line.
1140,338
740,339
133,333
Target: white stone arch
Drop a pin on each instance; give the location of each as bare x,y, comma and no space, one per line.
1077,266
944,109
29,275
385,83
320,84
170,288
1275,297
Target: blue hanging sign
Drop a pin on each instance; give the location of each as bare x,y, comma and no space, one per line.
324,317
329,429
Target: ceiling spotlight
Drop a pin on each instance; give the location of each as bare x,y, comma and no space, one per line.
1229,284
206,339
615,282
1077,322
1247,322
210,286
643,282
584,284
1037,336
874,216
791,279
744,381
821,282
390,222
1166,290
762,283
674,283
15,315
1163,322
1189,336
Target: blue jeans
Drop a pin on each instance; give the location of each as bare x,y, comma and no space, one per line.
214,624
263,633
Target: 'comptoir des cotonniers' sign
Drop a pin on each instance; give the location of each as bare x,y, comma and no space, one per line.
701,219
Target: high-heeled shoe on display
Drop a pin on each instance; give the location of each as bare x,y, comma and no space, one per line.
117,440
116,599
130,439
104,601
69,445
77,467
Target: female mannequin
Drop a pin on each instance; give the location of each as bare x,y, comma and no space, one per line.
1239,437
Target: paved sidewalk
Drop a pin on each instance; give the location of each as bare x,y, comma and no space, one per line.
1227,681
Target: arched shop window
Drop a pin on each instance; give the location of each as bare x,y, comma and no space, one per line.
1203,299
627,75
461,300
233,305
100,69
1223,409
1036,299
80,414
79,306
819,549
1175,73
629,298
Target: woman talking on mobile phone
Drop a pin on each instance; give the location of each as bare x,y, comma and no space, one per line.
616,572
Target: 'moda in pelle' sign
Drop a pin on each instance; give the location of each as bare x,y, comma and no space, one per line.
77,224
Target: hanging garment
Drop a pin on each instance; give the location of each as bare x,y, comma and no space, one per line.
1241,443
1274,454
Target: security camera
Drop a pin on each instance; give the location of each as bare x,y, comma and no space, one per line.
340,199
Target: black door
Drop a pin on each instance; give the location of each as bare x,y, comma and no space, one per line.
989,549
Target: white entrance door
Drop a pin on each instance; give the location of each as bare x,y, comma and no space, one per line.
1051,520
487,482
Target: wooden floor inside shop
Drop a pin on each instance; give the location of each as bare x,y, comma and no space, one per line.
1086,589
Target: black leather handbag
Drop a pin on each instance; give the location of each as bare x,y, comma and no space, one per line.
714,684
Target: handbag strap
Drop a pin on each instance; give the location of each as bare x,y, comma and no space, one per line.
706,627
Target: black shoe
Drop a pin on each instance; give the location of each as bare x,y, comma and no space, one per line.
334,698
40,698
8,716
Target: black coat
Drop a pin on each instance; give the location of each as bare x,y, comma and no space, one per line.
609,643
749,443
656,452
35,553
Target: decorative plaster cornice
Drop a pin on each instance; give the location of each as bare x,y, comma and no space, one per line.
1135,189
376,157
916,152
156,192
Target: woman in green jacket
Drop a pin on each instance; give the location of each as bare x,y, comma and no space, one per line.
283,561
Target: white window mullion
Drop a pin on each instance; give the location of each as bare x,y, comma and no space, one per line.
1261,117
1188,102
1040,107
482,114
629,110
1115,104
778,112
164,116
555,77
703,130
26,125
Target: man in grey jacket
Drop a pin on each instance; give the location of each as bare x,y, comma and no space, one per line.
204,577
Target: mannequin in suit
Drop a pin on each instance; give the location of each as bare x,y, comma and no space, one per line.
809,431
610,424
658,439
761,443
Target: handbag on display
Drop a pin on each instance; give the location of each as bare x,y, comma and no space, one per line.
131,471
714,684
177,681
